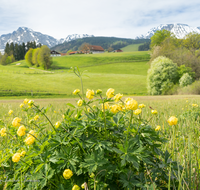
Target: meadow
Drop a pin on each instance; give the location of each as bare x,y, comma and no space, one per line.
126,71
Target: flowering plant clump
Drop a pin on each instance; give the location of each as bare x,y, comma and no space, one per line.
99,145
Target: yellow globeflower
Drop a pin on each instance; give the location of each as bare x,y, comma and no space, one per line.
57,124
36,117
137,111
154,112
63,116
76,91
10,112
172,120
195,105
16,122
29,140
30,103
158,128
23,153
90,94
116,108
21,105
118,97
110,92
142,106
3,132
106,106
26,101
16,157
79,103
31,132
131,104
83,186
75,187
67,174
21,131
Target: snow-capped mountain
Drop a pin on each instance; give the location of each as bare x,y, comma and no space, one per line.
74,37
24,34
180,30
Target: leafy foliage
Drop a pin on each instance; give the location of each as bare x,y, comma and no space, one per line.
185,80
161,76
104,148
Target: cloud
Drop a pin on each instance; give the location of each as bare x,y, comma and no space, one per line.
118,18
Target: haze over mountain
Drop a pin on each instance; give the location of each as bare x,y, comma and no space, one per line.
180,30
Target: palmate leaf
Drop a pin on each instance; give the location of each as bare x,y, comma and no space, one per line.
93,161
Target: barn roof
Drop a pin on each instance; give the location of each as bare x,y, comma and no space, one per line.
96,48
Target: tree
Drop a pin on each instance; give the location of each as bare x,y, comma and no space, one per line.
34,56
159,37
85,47
185,80
161,76
7,48
192,42
44,57
28,57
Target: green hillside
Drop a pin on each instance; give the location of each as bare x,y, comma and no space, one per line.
126,72
105,42
132,47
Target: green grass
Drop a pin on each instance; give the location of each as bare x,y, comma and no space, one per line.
132,47
126,72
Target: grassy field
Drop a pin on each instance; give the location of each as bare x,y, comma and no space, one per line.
126,72
130,48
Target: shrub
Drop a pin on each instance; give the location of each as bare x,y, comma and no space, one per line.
185,80
161,76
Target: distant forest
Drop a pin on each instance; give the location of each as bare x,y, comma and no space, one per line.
105,42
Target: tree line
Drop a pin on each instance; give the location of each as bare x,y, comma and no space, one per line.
15,52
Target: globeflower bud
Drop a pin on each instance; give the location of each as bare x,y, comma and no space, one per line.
21,105
75,187
23,153
90,94
172,120
26,101
158,128
137,111
16,122
76,91
3,132
36,117
154,112
79,103
99,91
57,124
30,103
110,93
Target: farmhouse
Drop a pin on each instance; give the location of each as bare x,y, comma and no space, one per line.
95,49
55,53
118,50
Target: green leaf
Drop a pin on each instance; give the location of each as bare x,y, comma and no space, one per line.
39,167
71,105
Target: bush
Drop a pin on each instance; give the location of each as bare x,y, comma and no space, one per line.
185,80
105,145
161,76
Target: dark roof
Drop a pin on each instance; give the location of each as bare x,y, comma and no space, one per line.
54,52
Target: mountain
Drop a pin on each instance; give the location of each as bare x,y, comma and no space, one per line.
180,30
24,34
105,42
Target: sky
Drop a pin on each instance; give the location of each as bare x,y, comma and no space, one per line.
117,18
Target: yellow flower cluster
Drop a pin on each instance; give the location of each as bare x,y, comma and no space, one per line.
142,106
154,112
75,187
16,122
110,93
3,132
195,105
172,120
21,131
10,112
26,101
118,97
137,111
158,128
79,103
116,108
36,117
131,104
90,94
76,91
67,174
57,124
16,157
30,139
